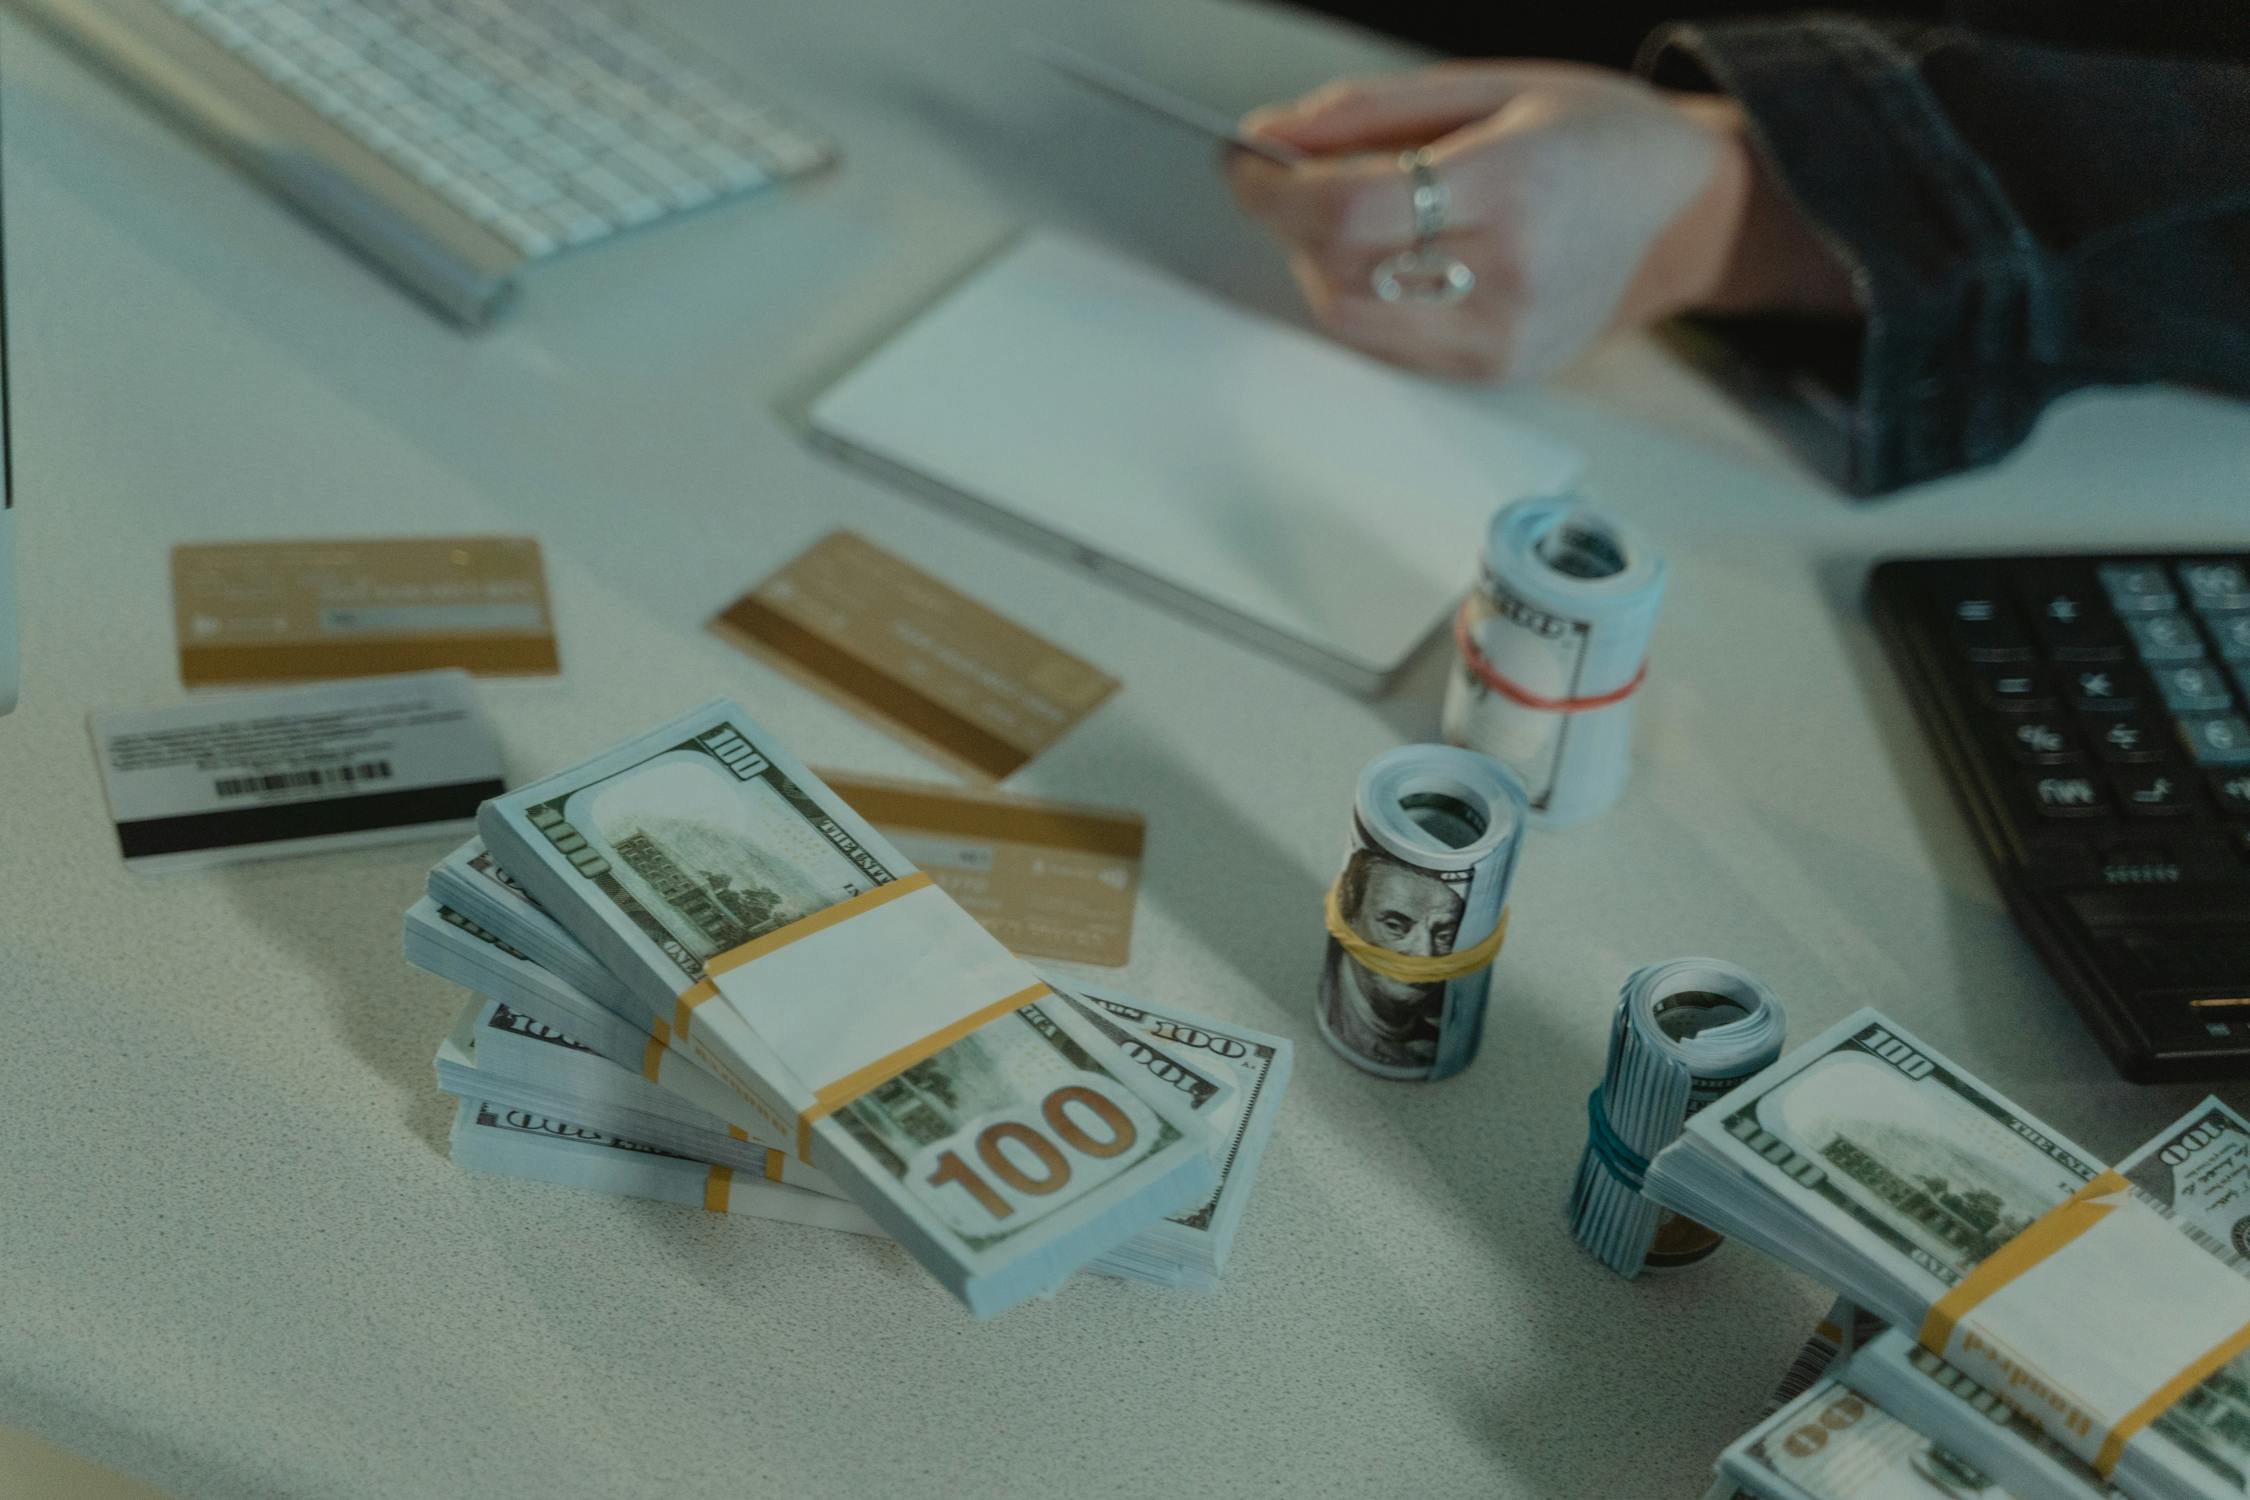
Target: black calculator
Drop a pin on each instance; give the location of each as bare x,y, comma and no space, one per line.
2093,713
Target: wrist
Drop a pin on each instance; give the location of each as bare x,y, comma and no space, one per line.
1758,253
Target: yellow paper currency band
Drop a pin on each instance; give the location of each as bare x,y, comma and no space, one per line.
2197,1371
782,937
2057,1227
738,1133
652,1056
717,1188
773,1165
826,1101
684,1008
1412,968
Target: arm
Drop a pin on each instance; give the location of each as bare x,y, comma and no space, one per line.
2017,220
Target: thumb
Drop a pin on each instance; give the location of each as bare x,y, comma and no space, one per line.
1386,111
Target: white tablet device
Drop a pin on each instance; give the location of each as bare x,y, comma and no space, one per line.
1264,480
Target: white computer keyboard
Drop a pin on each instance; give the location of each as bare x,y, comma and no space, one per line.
554,123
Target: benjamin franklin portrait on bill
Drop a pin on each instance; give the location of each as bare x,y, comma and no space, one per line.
1407,910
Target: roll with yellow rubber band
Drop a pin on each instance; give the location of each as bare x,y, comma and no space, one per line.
1420,910
1412,968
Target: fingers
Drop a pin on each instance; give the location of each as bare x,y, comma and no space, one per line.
1385,111
1466,340
1359,200
1368,200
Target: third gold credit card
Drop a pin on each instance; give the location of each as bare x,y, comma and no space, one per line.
1048,879
917,656
299,611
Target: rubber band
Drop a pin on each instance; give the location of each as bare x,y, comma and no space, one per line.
1622,1161
1486,673
1412,968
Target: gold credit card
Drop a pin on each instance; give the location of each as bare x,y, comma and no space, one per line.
1048,879
917,657
360,607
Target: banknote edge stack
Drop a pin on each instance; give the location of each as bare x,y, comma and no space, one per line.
552,978
1998,1428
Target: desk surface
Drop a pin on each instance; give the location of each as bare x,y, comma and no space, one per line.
236,1260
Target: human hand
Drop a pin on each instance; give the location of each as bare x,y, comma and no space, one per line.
1582,199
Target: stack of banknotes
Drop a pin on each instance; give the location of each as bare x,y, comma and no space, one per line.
700,977
1874,1164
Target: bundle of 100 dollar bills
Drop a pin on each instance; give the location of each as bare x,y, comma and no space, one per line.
2049,1317
697,963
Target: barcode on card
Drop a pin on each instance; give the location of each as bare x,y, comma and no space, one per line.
284,781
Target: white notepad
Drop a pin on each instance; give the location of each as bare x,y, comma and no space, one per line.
1265,480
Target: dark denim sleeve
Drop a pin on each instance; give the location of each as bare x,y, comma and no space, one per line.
2020,220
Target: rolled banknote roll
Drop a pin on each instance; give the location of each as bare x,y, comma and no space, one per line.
1549,650
1685,1033
1419,910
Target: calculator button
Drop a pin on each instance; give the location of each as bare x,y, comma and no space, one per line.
2065,796
2138,588
2193,689
2127,737
2013,687
2075,624
2232,632
2152,791
2101,690
2162,638
2232,789
1985,628
2040,742
2217,739
2140,864
2216,585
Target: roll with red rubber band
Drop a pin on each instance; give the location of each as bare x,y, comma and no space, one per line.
1551,650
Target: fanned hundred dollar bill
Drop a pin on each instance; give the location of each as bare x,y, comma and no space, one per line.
1834,1443
507,1060
1876,1165
1003,1142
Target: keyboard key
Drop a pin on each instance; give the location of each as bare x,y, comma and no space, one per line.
2102,690
2127,737
2221,740
2232,789
2042,742
2140,864
2074,625
2162,638
2065,796
2193,689
2232,632
2152,792
526,236
2138,588
1984,625
2013,688
2216,586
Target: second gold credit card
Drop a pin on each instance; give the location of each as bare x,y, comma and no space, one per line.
1048,879
917,656
302,611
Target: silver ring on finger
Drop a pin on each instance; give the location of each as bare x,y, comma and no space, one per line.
1424,274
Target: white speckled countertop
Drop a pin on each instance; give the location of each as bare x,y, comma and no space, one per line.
234,1259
